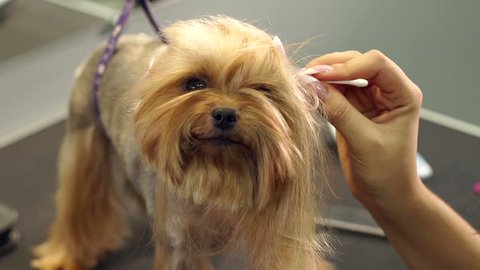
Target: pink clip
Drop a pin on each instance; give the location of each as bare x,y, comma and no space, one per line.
476,187
278,44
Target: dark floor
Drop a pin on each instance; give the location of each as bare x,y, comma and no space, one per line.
27,183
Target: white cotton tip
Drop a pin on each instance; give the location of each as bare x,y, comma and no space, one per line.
356,82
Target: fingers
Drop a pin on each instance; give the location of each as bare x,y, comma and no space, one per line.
377,68
350,122
333,58
349,110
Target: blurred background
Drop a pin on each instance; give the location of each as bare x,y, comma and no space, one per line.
436,42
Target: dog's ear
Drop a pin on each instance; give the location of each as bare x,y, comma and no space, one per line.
309,93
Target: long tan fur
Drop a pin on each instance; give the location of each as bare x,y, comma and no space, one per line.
89,218
255,192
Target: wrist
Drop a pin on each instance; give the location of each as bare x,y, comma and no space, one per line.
397,200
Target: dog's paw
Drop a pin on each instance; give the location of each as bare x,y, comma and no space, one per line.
54,259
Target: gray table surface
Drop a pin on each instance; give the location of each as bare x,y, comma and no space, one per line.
27,183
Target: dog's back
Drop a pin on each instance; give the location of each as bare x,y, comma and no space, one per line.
91,160
129,64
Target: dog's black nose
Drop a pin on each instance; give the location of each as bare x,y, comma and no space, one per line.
224,118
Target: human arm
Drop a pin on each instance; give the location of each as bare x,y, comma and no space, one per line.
377,142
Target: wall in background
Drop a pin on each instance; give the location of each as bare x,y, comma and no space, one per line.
435,42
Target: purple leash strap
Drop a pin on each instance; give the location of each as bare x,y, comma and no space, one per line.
148,11
112,43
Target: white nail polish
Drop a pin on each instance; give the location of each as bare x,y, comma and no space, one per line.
317,69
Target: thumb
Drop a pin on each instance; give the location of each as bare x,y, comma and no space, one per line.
340,113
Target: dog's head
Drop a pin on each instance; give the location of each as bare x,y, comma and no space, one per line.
222,117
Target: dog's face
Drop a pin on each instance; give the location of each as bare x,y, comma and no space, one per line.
222,117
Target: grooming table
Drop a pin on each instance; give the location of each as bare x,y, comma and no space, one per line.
27,183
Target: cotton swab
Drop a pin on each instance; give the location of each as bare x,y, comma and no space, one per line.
356,82
310,71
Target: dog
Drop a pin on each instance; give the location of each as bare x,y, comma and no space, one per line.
215,135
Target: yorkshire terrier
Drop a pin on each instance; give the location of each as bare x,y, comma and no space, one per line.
215,135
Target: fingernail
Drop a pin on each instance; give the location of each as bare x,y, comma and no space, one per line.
316,69
314,84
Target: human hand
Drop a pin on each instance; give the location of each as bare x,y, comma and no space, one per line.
377,126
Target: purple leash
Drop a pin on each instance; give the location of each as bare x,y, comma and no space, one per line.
112,43
148,11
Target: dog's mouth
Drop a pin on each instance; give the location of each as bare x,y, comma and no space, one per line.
221,140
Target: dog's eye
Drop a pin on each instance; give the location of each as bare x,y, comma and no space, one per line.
193,84
262,88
